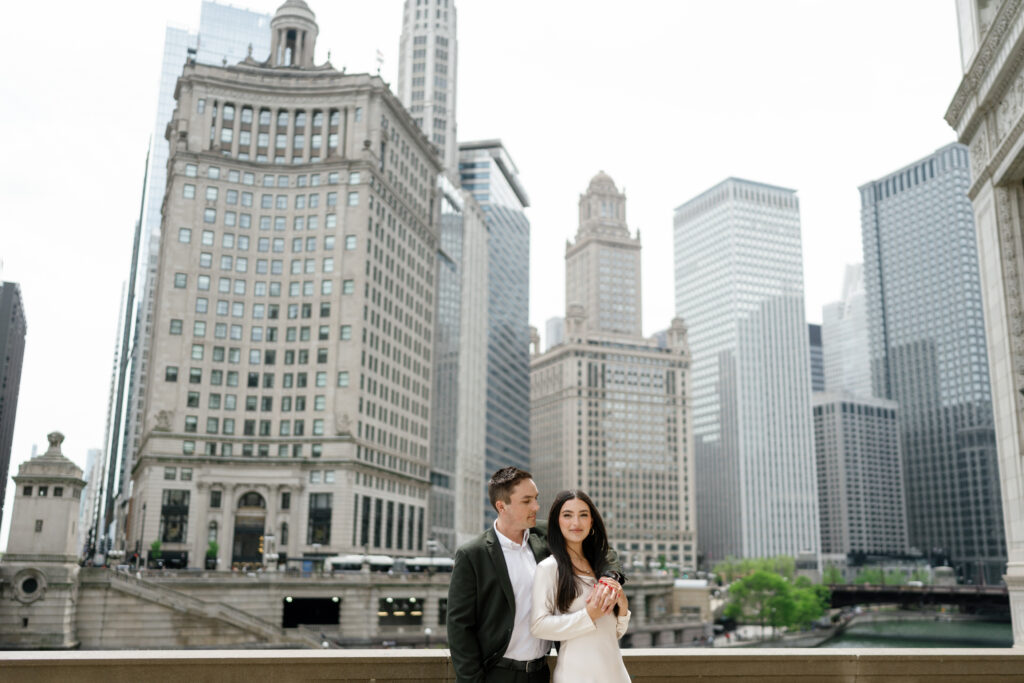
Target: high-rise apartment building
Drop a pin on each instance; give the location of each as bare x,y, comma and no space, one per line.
13,328
739,286
860,475
489,175
844,336
609,410
987,118
291,358
817,359
427,72
927,344
226,35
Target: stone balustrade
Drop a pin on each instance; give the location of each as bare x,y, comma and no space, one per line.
381,666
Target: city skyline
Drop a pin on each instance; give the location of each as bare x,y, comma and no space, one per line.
907,125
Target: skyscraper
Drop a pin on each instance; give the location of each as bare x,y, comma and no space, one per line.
226,35
609,410
489,175
927,345
860,475
427,72
844,336
739,286
428,61
13,328
459,423
817,361
291,351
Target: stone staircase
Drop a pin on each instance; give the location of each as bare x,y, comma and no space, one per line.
154,593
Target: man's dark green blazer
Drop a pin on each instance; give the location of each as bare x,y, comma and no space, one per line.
481,604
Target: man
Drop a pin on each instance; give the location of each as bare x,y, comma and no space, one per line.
490,593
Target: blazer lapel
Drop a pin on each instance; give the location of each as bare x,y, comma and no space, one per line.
500,568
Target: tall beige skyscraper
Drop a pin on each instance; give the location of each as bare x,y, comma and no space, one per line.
609,409
290,370
427,66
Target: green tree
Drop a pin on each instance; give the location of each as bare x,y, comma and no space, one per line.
832,576
764,597
895,578
154,549
811,602
873,577
212,549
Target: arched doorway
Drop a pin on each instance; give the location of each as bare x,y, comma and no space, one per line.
250,516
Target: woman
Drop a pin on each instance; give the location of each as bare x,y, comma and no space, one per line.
571,603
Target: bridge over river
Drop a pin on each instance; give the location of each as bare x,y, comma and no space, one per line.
969,599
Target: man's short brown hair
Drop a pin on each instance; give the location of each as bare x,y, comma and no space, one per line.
500,485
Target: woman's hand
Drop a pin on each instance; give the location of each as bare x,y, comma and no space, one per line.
623,603
601,599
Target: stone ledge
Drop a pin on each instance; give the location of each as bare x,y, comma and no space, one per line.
650,666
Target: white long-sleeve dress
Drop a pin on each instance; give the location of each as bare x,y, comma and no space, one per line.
590,651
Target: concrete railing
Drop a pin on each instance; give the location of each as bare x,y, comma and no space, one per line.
380,666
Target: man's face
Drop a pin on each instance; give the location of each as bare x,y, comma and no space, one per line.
520,512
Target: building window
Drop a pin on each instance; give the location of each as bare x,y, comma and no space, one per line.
184,235
319,530
174,516
343,378
39,525
171,373
286,500
215,499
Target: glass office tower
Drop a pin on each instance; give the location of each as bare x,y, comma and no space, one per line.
739,287
927,347
488,173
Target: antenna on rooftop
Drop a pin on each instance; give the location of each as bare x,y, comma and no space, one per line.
380,60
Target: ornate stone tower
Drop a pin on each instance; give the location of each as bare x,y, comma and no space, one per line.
39,572
602,267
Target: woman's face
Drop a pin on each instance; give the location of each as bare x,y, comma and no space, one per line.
574,520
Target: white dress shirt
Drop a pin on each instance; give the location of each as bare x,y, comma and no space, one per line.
521,566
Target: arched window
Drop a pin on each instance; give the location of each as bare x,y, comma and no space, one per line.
284,534
252,500
212,535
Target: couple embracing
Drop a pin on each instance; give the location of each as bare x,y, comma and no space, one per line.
524,584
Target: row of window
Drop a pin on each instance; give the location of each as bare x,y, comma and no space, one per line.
44,491
270,179
267,201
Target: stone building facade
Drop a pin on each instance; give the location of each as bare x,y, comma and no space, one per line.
609,409
290,370
987,112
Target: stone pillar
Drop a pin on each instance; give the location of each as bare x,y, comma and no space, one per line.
39,572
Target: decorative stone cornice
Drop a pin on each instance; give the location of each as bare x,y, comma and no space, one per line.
982,62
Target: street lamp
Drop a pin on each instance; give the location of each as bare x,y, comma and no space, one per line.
427,632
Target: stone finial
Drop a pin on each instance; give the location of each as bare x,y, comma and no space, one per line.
56,439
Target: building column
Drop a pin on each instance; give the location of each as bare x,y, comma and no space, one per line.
999,225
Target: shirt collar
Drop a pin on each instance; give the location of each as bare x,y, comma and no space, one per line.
509,543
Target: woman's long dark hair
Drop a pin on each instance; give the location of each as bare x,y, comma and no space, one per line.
595,549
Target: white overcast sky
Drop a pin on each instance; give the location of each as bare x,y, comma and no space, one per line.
667,96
